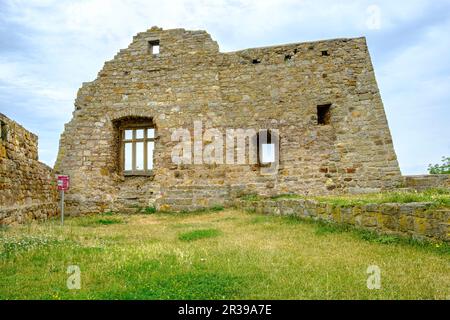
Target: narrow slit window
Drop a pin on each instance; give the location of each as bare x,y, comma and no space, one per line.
138,146
154,47
325,53
2,131
324,114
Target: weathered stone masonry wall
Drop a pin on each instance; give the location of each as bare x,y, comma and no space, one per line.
191,80
413,219
27,188
423,182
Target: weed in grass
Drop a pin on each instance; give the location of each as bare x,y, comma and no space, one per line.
199,234
217,208
150,210
99,221
108,221
12,245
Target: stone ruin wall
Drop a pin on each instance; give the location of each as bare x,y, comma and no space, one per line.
429,181
27,187
415,220
276,87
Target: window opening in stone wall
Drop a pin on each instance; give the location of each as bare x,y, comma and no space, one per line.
325,53
256,61
138,144
2,131
154,47
266,149
324,114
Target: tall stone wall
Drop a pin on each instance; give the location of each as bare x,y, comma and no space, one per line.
277,87
27,187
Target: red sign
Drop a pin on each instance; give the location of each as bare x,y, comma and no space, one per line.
63,183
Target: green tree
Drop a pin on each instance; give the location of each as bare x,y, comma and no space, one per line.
443,168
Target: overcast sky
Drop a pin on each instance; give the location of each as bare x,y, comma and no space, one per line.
49,47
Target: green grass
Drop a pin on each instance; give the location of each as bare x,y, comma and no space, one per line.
237,256
199,234
92,221
217,208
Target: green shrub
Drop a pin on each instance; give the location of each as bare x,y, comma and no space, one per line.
150,210
443,168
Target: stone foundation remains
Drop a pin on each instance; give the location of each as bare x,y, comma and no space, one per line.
417,220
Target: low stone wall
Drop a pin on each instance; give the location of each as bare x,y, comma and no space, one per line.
40,212
27,187
191,198
415,220
423,182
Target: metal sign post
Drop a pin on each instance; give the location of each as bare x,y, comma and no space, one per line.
63,185
62,207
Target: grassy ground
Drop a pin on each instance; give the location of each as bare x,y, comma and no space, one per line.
214,255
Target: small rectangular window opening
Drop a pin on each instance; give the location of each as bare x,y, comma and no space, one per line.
324,114
267,152
325,53
154,47
256,61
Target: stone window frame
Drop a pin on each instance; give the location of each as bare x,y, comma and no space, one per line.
134,140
